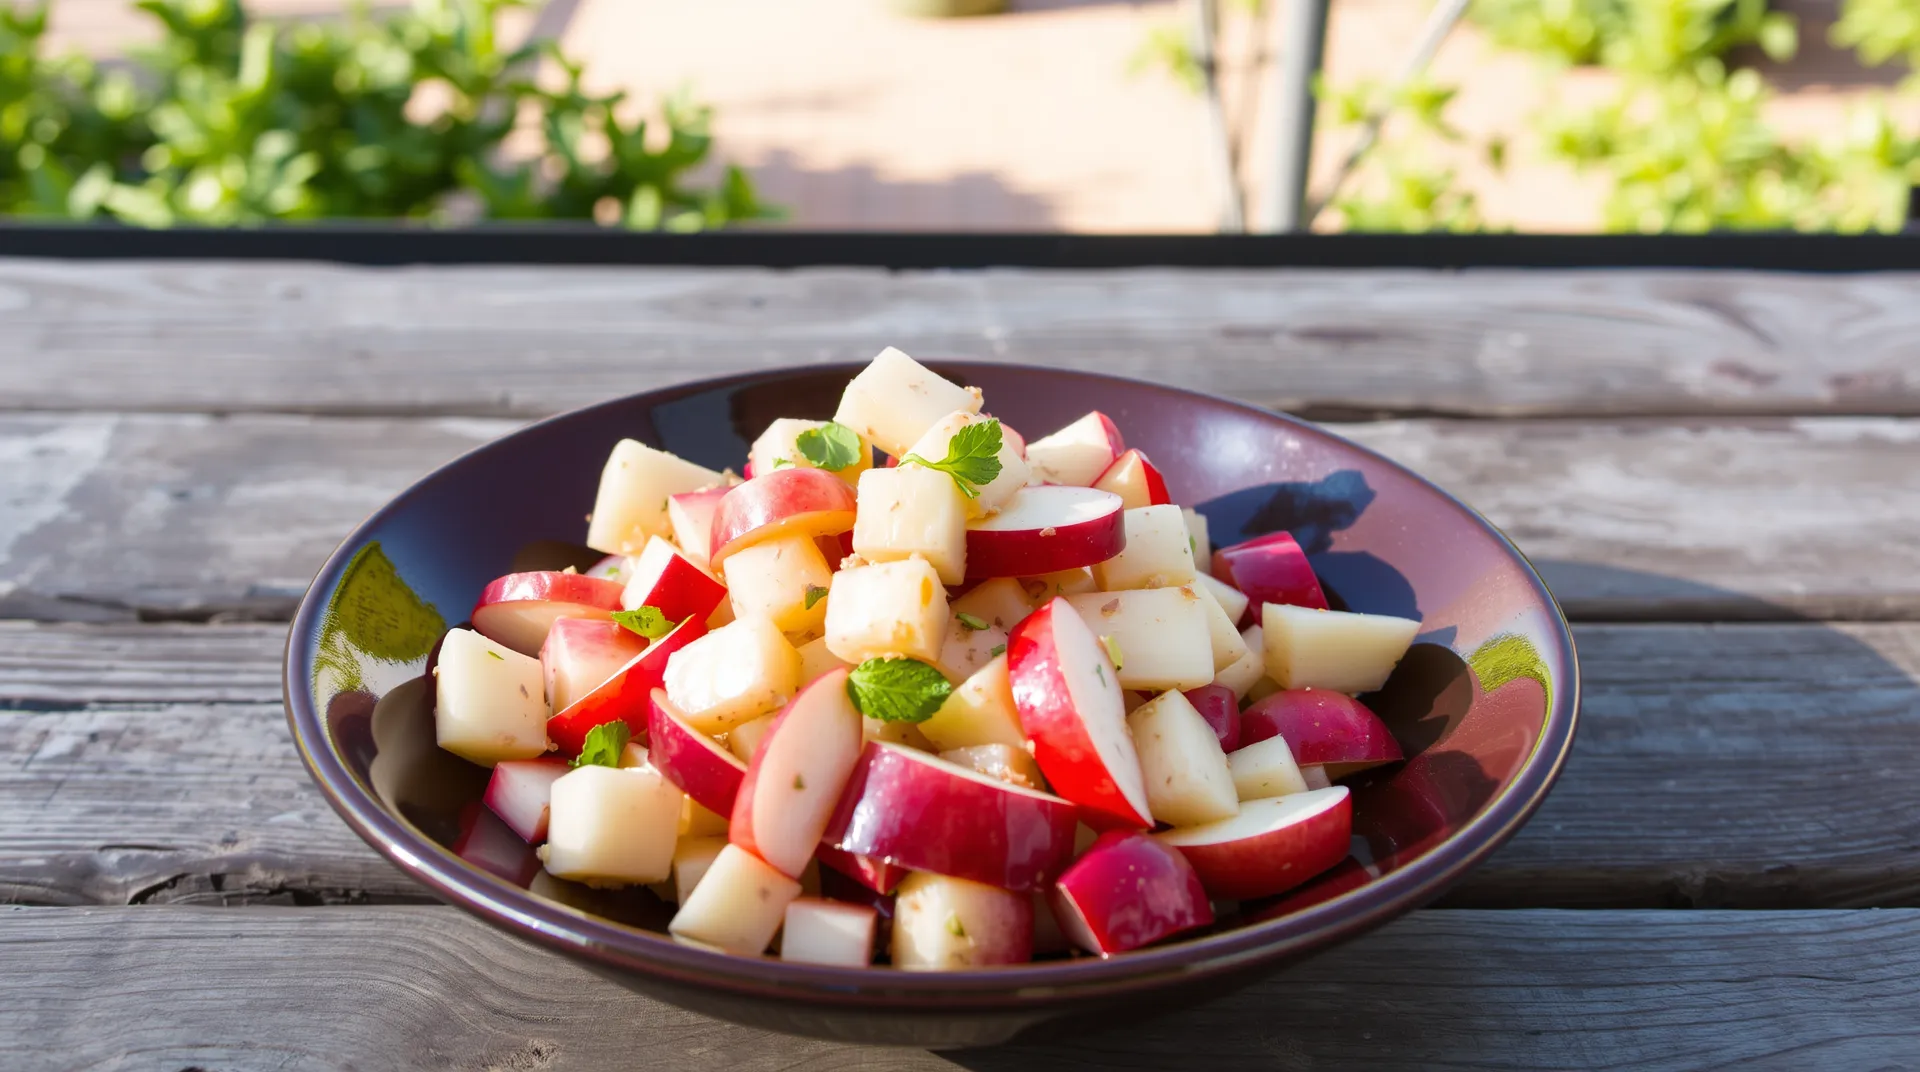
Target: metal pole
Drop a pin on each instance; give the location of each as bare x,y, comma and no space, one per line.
1231,213
1300,51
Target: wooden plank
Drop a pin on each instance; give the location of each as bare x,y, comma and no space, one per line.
1750,766
433,988
528,341
194,516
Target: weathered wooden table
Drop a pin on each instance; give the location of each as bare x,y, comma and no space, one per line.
1719,474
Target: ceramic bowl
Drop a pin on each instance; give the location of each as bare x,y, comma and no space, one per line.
1484,705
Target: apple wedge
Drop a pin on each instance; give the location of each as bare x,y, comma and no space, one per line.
1322,729
668,581
1068,697
626,696
1128,891
580,653
709,774
941,923
806,501
488,843
519,792
1271,846
691,516
819,931
918,811
1135,480
519,608
737,905
1218,705
1077,454
487,701
1044,530
1270,569
797,774
635,488
1158,637
1187,778
876,875
1330,649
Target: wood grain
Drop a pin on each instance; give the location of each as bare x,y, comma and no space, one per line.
527,341
1750,766
433,988
157,516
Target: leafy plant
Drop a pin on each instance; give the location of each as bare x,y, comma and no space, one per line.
228,120
1398,186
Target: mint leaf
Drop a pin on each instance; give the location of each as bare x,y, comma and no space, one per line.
604,744
897,690
815,594
831,446
649,622
971,623
973,457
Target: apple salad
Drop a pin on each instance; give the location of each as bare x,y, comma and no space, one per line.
918,691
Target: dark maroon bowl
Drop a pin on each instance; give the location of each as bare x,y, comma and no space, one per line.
1484,705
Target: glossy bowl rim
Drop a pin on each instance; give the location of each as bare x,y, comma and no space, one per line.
1029,987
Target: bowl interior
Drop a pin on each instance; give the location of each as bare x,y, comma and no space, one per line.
1482,704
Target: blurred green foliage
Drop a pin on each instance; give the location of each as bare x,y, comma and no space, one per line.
423,114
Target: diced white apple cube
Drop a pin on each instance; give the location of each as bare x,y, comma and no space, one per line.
699,821
936,445
632,502
908,511
1078,453
895,399
1197,531
819,931
732,675
778,447
1265,769
968,648
1231,599
1330,649
1000,602
889,608
948,924
744,738
1011,764
980,710
1187,778
1250,668
1157,554
817,660
1228,648
1160,633
490,701
613,826
737,905
772,579
906,733
691,859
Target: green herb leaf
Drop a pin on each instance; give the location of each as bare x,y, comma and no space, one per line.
897,690
1113,651
783,463
649,622
831,446
997,650
496,655
604,744
972,457
971,623
815,594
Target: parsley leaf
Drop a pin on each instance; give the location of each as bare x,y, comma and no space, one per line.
1113,651
973,457
604,744
897,690
971,623
815,593
832,446
998,650
648,621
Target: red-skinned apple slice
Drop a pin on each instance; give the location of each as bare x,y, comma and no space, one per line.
695,762
518,793
580,653
1007,433
519,608
1270,569
1077,454
1128,891
1221,708
488,843
1273,845
876,875
812,501
1322,729
797,775
1135,480
1070,706
691,515
668,581
918,811
626,696
1046,530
